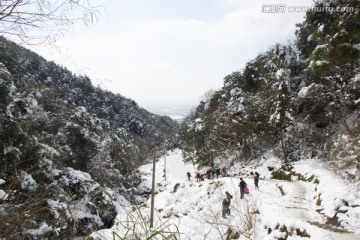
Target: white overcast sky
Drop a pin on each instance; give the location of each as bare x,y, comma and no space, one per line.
168,53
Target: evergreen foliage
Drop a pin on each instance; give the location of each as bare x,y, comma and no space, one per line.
297,100
55,127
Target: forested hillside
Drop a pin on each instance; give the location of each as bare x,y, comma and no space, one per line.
297,100
68,149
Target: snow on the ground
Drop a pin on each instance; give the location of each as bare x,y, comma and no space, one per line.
268,213
335,193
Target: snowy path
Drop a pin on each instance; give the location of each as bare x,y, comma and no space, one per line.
296,208
302,208
298,205
195,207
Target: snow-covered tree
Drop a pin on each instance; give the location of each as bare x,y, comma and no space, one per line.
41,21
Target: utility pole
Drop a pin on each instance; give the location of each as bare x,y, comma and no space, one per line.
165,166
153,192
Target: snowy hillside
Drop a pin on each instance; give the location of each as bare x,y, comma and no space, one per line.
320,206
59,134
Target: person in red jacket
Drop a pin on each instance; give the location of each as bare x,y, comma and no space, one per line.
197,176
223,171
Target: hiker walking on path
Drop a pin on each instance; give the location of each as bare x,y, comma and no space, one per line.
217,172
256,180
223,171
208,174
188,175
229,197
225,206
242,186
197,176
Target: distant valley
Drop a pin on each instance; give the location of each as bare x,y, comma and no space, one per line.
176,113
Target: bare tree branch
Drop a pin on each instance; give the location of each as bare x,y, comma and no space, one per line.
38,22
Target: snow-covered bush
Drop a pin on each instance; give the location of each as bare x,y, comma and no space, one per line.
344,156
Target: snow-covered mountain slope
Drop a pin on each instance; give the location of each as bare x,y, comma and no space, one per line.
297,209
56,126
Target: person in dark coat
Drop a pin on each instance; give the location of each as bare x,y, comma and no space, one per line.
225,206
217,172
188,175
242,186
208,173
229,197
256,180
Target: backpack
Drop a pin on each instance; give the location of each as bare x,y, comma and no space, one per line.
226,202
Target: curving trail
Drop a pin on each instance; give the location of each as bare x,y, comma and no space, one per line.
298,208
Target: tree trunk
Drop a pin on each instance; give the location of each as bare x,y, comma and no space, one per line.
283,146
